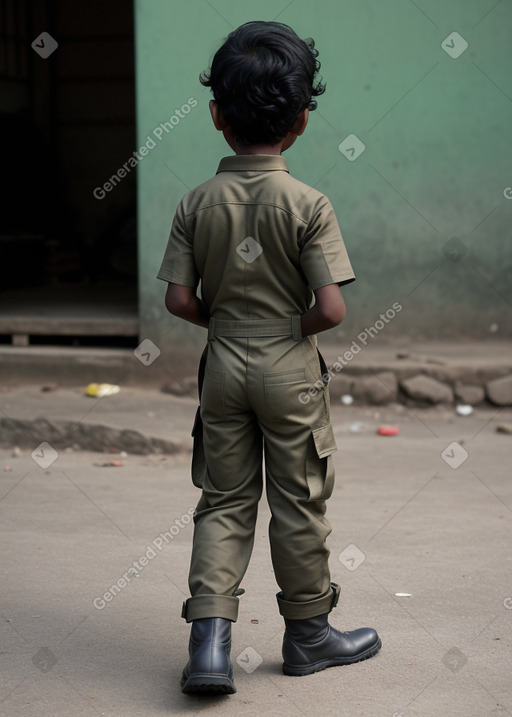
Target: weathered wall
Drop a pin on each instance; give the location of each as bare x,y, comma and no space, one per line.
425,209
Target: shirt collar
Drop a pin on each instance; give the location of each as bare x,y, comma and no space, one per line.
253,163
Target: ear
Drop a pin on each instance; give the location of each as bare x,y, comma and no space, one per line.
300,123
218,119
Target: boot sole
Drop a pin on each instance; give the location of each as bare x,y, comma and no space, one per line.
220,685
332,662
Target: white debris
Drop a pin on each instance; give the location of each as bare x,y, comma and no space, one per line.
464,410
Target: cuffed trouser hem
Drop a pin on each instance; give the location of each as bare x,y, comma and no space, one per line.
201,606
309,608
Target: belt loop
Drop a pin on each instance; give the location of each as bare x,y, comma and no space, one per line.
211,329
296,328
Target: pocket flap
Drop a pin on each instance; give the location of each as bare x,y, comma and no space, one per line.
325,443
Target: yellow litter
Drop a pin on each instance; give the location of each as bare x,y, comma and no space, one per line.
100,390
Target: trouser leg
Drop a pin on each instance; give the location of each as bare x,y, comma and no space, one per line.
299,444
298,481
226,516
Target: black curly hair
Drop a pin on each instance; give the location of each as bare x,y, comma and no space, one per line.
262,77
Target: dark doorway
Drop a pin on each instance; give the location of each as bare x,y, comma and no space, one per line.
68,269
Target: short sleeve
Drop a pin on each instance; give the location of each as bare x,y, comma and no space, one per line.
323,257
178,265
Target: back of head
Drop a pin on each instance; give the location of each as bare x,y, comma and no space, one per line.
262,77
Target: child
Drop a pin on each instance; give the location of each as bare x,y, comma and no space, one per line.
262,244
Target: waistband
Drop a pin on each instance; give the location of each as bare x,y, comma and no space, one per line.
255,328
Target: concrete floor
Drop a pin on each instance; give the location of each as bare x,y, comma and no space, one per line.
405,520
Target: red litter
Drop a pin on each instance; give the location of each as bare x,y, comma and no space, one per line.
388,431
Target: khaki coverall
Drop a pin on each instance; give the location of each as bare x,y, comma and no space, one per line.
260,241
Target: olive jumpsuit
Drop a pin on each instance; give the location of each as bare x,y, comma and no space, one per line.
260,242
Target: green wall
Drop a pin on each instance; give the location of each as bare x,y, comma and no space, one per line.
423,209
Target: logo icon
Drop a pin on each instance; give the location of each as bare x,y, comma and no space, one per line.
44,659
351,557
147,352
249,249
44,455
454,455
454,45
454,659
249,660
44,45
455,249
351,147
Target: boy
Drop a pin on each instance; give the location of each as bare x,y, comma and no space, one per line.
262,244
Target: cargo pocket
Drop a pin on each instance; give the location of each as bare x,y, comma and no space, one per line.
198,469
319,466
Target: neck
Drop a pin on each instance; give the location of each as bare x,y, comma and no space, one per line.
275,149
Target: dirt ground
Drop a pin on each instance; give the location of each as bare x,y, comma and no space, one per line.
421,546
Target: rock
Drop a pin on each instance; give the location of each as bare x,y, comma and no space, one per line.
425,388
381,388
340,384
175,389
420,358
504,428
190,386
357,389
377,390
468,394
499,391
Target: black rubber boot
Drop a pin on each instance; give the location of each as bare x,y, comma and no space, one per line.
312,645
209,668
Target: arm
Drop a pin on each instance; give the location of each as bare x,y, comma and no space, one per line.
182,301
328,311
